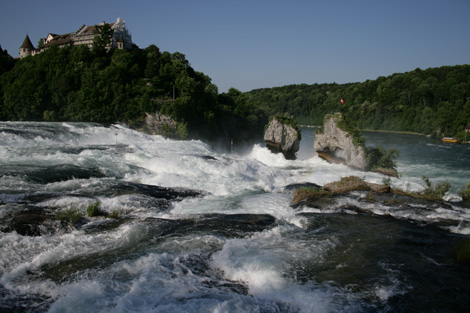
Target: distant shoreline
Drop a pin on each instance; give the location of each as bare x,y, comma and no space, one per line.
393,132
377,131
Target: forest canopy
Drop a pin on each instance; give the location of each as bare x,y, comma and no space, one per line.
96,85
434,101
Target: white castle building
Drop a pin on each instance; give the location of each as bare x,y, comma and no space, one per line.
83,36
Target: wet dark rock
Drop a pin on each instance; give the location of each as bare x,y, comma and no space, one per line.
208,157
204,157
38,197
175,193
229,225
234,224
461,253
105,224
33,221
28,218
302,185
53,173
20,302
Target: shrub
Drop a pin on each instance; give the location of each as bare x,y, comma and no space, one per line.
464,192
117,213
435,190
71,215
182,130
94,209
387,181
377,157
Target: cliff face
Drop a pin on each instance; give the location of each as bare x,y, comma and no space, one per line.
282,138
160,124
337,145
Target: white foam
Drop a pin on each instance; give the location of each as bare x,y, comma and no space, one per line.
158,277
263,262
24,254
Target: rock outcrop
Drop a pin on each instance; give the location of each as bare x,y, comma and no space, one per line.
159,124
354,183
351,187
281,137
338,145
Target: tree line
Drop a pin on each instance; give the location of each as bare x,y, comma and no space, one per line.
107,86
435,101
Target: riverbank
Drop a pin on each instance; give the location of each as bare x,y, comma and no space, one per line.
377,131
392,132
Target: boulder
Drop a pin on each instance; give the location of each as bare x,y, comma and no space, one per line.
281,137
338,144
33,221
347,184
354,183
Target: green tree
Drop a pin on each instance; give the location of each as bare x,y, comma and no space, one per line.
104,34
41,43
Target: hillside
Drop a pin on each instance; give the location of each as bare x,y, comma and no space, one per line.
434,101
93,85
82,84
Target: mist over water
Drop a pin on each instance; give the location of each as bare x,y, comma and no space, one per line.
205,231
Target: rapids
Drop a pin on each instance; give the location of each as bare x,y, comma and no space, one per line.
190,229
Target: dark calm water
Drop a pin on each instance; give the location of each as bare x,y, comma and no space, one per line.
419,156
201,231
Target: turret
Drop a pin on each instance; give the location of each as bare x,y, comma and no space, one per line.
120,43
26,48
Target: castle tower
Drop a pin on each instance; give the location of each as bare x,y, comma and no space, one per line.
26,48
120,43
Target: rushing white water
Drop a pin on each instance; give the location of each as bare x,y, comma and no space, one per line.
215,252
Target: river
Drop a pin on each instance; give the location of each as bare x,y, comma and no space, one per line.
195,230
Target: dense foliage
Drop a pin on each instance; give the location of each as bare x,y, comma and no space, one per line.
6,61
79,84
379,158
433,101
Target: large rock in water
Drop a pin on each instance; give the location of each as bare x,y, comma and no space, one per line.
337,145
282,138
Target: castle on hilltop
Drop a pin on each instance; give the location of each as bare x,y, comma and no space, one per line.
121,39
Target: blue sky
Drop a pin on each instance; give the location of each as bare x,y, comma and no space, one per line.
256,44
